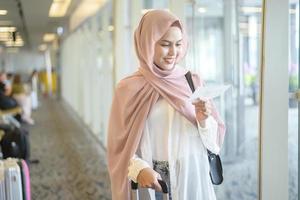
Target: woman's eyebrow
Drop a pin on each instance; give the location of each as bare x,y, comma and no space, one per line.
170,41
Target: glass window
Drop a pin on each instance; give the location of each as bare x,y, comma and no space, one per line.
87,56
151,4
224,38
293,104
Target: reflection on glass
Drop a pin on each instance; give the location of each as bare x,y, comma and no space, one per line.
225,48
293,104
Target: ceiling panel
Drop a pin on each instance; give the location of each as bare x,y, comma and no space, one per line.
35,21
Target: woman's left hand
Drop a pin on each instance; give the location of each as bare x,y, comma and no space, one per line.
202,110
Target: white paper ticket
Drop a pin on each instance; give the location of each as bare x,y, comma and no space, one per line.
209,92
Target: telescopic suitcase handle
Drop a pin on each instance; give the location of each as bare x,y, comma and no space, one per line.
163,185
135,195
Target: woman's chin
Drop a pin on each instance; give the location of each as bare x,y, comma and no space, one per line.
167,67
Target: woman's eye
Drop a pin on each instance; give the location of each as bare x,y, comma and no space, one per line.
168,45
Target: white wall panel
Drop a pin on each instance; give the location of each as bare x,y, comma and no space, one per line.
87,79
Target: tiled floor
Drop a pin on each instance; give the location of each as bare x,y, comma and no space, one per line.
72,163
73,167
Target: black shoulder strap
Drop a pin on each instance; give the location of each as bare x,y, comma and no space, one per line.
189,79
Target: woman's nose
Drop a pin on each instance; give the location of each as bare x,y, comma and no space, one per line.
172,50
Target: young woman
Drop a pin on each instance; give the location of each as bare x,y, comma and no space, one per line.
155,132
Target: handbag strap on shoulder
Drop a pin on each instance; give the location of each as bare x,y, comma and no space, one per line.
189,79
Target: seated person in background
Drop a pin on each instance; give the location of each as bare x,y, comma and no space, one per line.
6,102
22,96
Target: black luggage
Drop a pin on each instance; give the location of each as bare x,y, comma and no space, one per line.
15,143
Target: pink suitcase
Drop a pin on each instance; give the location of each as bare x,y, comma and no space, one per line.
25,179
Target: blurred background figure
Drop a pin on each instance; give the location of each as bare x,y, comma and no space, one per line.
21,94
5,83
48,82
33,81
6,102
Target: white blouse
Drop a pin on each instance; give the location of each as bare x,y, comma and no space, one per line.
162,120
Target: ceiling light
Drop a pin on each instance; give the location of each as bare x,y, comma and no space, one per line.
5,36
49,37
18,43
7,29
85,9
3,12
19,39
60,30
202,10
59,8
251,9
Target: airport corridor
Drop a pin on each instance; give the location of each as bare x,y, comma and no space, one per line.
72,164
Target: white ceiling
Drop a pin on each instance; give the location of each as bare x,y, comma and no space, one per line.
35,21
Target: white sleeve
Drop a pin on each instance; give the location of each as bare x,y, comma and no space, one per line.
209,135
135,166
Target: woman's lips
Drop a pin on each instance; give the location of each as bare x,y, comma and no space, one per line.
169,60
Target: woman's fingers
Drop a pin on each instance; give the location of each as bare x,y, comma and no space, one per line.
203,107
198,102
201,103
147,178
157,186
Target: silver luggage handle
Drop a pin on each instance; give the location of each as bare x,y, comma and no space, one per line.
163,184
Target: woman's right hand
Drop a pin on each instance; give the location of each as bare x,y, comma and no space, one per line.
147,178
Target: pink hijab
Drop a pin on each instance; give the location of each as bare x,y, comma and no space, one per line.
136,95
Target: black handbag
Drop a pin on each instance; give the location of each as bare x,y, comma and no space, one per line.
216,170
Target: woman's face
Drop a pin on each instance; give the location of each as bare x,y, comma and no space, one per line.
168,48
